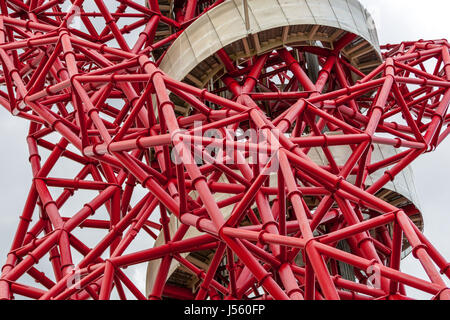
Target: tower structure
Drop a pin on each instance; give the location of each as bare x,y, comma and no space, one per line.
262,147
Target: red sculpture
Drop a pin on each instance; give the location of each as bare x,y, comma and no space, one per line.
244,170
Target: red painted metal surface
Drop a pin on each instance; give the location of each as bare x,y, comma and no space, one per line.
63,81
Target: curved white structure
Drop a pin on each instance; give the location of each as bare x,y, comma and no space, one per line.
271,24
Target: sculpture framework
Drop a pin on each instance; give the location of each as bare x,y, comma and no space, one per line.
148,106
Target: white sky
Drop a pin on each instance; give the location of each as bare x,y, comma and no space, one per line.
397,21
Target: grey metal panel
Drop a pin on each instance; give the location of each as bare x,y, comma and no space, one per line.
262,9
203,39
342,12
292,9
228,11
323,13
181,54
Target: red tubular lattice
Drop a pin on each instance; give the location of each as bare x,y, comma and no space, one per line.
268,228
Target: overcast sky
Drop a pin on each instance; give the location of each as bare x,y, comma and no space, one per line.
396,21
